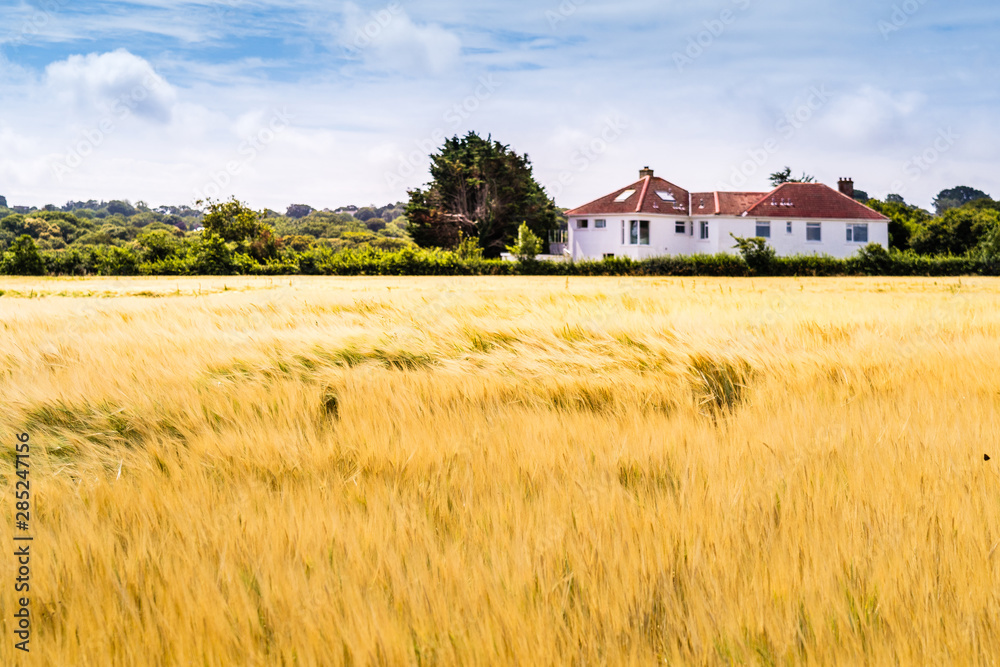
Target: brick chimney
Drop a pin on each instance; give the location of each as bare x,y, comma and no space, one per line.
846,186
644,172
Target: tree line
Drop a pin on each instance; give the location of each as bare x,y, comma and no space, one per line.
119,238
482,199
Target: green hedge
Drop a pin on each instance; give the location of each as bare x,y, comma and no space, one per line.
222,260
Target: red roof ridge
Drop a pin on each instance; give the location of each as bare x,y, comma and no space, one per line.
642,196
718,206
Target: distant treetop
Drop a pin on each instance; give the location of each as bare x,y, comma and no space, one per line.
955,197
297,211
785,176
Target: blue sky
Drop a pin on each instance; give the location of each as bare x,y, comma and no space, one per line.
328,103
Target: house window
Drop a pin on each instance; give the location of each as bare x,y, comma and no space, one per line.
581,224
704,230
638,232
680,227
763,229
814,232
788,228
600,224
609,255
857,233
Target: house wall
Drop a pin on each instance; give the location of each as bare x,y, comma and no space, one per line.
834,236
594,243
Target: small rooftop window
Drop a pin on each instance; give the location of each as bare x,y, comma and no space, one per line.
623,196
665,196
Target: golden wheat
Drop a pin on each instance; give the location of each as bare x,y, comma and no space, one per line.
474,471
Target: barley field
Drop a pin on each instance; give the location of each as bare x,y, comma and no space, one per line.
524,471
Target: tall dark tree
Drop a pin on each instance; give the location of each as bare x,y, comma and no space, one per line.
3,201
367,213
955,197
298,211
785,176
480,188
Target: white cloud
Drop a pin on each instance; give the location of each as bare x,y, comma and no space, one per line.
389,39
112,82
871,116
365,112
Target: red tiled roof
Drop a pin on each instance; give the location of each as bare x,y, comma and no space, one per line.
789,200
811,200
723,203
645,199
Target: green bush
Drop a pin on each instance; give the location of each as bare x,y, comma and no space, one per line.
118,261
214,257
23,258
527,246
72,262
756,253
872,260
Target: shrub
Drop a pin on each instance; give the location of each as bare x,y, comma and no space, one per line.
872,260
118,261
468,247
527,246
23,258
756,253
158,244
213,257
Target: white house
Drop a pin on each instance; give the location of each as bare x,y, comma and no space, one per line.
655,217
